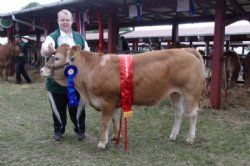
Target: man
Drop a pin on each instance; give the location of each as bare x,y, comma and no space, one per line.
21,60
57,94
124,45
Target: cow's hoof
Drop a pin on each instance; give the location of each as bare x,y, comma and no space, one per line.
101,145
172,137
190,140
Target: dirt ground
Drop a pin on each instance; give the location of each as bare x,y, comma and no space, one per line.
34,75
237,97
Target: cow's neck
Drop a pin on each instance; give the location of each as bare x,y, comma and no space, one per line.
85,62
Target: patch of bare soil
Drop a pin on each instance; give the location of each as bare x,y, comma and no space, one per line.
34,75
235,105
235,97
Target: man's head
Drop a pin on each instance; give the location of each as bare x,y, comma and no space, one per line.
65,20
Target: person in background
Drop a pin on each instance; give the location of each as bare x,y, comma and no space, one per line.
57,94
20,61
124,46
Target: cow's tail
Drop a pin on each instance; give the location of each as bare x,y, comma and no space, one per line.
199,56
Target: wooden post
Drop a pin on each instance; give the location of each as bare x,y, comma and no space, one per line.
175,32
219,34
10,36
113,31
100,26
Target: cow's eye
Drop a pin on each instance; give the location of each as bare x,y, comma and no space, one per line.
56,58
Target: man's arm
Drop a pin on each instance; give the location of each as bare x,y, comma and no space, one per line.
86,47
48,47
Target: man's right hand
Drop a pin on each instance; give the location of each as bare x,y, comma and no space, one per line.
51,48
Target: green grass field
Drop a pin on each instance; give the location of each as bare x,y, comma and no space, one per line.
26,135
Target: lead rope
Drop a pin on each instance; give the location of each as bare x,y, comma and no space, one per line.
117,141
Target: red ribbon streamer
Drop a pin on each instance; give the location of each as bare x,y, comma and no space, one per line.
127,94
127,83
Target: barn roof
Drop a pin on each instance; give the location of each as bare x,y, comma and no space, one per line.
160,12
207,30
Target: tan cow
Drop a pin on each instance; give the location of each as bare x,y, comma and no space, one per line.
178,73
246,72
7,53
232,66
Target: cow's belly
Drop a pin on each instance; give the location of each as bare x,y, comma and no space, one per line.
95,102
152,96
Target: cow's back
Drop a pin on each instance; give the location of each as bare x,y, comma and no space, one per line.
160,73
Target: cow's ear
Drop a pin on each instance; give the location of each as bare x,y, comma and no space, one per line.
74,51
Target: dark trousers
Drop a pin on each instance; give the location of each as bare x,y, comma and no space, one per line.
59,104
20,70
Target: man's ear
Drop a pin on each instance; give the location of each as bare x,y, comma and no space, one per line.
74,51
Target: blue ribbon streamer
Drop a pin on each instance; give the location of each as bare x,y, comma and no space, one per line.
138,6
70,72
191,7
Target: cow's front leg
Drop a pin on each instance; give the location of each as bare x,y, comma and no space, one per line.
106,119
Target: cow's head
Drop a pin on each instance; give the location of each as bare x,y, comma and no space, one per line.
54,67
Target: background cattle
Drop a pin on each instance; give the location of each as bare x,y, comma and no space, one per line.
246,67
230,69
7,53
178,73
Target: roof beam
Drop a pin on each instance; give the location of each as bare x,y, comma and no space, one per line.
237,7
233,18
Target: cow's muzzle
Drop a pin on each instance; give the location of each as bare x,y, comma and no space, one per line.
48,70
45,72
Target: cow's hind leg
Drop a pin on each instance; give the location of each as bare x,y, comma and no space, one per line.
115,121
191,108
106,120
177,102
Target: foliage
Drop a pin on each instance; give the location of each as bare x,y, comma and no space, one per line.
31,5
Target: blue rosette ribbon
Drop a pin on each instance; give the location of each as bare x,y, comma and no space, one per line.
70,72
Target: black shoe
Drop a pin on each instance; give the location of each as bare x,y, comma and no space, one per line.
57,136
80,136
29,82
18,82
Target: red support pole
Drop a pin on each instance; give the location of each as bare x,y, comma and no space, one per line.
10,36
100,26
112,33
78,21
219,34
80,27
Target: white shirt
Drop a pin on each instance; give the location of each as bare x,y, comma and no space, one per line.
63,38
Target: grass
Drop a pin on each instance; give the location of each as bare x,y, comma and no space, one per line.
26,135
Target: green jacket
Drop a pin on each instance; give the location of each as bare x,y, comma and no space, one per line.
24,48
50,83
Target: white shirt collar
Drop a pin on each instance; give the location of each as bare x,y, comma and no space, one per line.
63,34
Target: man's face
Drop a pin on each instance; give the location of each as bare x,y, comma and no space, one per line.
64,22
